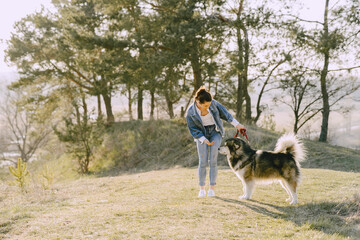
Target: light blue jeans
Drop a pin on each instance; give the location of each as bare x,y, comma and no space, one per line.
209,154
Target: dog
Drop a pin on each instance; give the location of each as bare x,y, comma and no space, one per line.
252,166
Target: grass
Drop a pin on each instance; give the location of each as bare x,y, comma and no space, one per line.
143,185
156,145
164,205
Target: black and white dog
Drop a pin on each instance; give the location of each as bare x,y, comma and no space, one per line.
252,166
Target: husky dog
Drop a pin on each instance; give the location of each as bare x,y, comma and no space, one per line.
252,166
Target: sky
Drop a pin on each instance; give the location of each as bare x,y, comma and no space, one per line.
14,10
10,12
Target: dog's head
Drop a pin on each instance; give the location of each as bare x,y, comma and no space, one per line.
234,147
236,150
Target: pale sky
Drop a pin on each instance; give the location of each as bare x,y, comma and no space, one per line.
13,10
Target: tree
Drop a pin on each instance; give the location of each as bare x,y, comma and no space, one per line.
191,34
332,39
304,100
257,59
81,135
25,132
59,48
171,89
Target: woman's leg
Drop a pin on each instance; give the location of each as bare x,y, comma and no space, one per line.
203,154
214,150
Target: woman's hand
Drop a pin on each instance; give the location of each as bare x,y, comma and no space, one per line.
239,127
208,143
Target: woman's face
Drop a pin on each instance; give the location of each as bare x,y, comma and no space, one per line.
204,105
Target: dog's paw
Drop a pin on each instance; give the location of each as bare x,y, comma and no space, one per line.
294,202
288,199
244,197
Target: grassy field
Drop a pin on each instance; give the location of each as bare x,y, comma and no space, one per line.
143,185
164,205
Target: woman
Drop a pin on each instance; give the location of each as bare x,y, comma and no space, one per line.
203,120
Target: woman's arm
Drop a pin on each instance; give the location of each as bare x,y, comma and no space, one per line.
225,115
196,132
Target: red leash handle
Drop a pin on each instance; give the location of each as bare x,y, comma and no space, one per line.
243,132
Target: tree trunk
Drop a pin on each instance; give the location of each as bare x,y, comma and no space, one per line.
196,67
190,101
248,102
85,109
99,106
324,72
325,98
245,78
130,103
240,72
169,104
85,163
296,123
239,99
109,114
140,102
152,104
243,65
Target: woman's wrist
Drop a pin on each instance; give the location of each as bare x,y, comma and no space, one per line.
234,122
240,126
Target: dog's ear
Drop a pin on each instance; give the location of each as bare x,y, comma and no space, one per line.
237,145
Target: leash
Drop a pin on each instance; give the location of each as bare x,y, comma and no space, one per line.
243,132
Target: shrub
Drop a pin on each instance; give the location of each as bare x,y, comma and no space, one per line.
46,177
20,173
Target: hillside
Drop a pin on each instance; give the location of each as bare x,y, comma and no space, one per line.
143,185
153,145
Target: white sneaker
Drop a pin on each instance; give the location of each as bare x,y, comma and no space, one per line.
211,193
202,193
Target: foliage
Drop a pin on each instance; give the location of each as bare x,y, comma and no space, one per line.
46,177
170,48
81,135
20,173
329,40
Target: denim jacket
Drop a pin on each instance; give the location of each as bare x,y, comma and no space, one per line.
218,112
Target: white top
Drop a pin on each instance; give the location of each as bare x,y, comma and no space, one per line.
208,120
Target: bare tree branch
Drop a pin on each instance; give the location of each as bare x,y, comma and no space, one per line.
343,69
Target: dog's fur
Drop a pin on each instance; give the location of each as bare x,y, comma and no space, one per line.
256,165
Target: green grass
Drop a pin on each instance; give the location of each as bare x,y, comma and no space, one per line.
164,205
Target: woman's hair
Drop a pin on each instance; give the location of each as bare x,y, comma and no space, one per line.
202,95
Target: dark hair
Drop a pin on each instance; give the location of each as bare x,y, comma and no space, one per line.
202,95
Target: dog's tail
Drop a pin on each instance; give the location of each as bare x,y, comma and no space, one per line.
289,143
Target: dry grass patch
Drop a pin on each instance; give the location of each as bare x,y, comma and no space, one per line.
164,205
